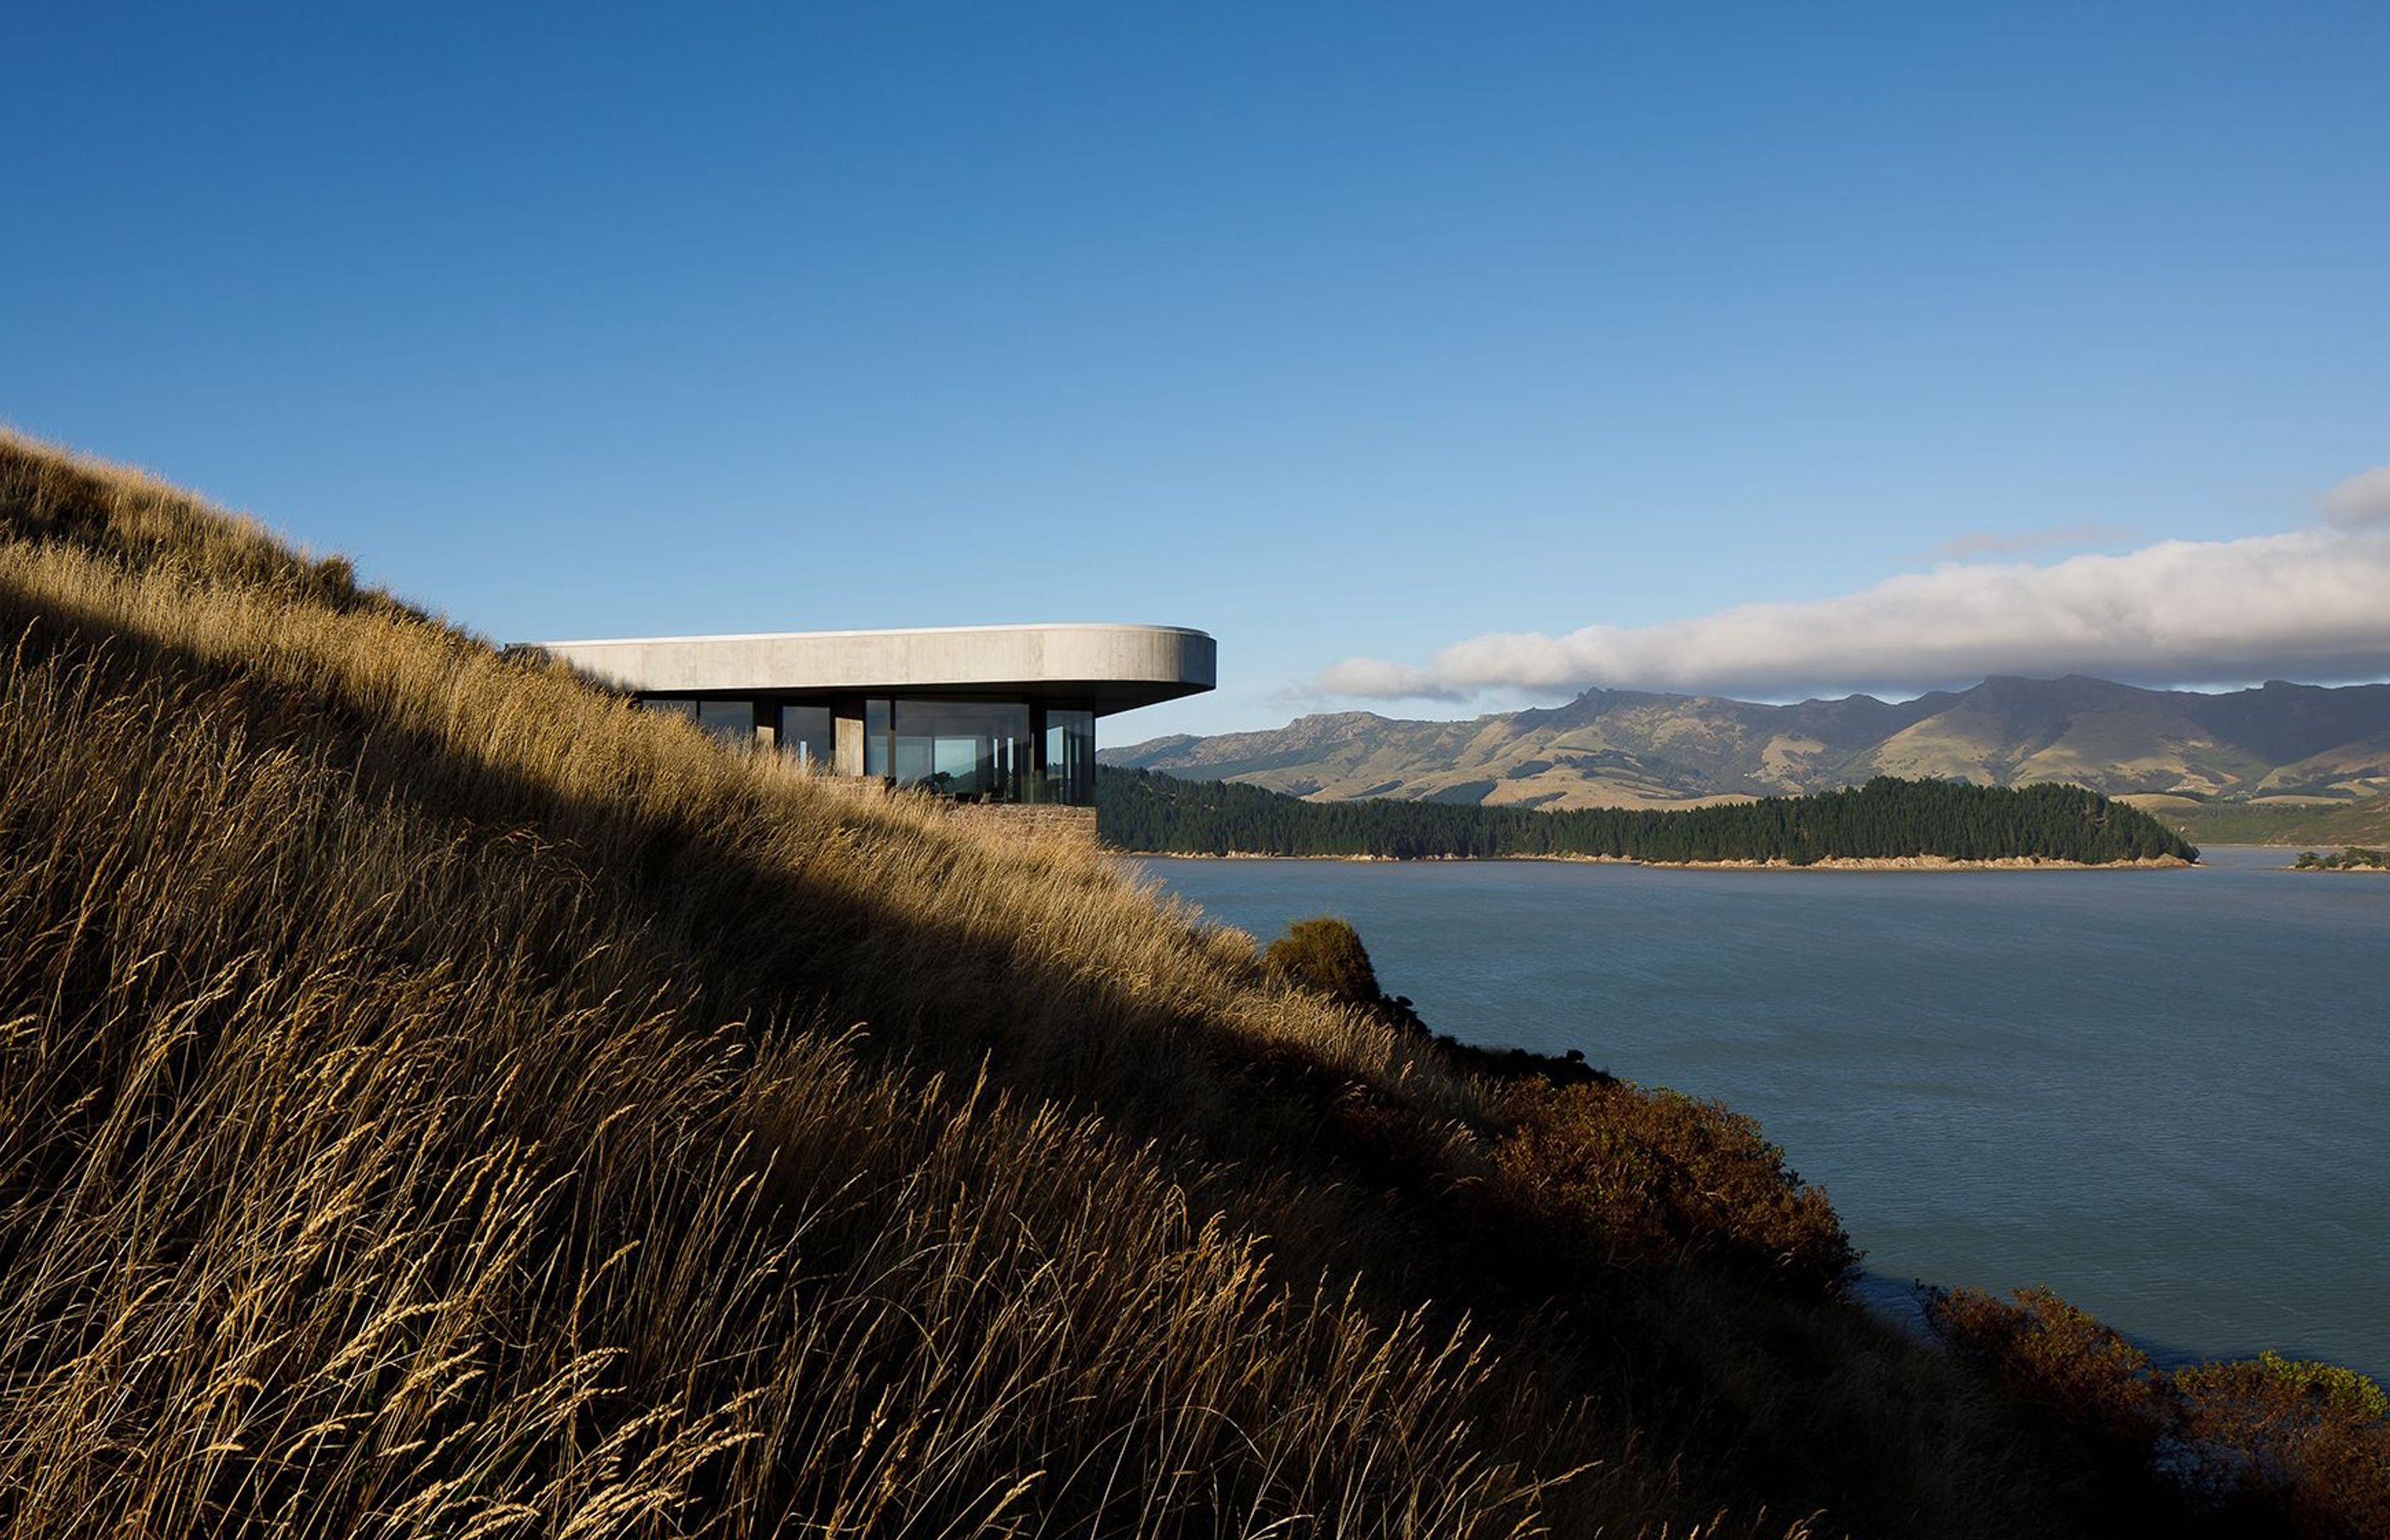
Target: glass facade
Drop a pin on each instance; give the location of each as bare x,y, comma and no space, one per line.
1070,756
808,736
976,750
731,720
875,739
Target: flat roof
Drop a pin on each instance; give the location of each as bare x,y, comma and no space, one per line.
1114,667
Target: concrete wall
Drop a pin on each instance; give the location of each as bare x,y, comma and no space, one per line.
1116,666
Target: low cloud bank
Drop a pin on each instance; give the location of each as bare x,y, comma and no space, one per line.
2313,604
2361,502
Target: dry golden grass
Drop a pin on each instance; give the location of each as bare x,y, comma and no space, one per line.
436,1100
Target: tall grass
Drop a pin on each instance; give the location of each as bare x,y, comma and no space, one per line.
436,1100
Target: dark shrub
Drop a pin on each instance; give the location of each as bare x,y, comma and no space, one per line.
2044,1349
2268,1444
1325,953
2298,1442
1653,1174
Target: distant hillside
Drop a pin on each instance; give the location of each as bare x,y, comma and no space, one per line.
1628,749
2266,822
1886,819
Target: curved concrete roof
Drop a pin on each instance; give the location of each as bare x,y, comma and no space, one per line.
1115,666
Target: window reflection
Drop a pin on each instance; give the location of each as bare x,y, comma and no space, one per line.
806,735
731,720
1070,756
874,738
977,750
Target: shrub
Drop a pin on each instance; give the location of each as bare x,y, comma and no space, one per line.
2047,1351
1325,953
2301,1442
1654,1175
2270,1443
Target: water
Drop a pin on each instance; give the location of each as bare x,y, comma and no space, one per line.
2164,1094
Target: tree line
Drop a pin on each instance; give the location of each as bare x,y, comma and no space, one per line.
1886,819
2354,858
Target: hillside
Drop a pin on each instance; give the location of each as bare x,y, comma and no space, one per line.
438,1099
2366,821
1626,748
1884,821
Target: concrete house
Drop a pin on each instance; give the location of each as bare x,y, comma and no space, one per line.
989,715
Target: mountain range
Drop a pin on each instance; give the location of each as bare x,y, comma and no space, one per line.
2282,744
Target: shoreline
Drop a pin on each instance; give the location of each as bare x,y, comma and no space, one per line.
1839,863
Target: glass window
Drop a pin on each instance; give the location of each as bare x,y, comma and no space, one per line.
670,705
909,758
1070,756
808,737
731,720
874,738
975,748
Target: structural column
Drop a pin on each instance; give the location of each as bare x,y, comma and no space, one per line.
846,722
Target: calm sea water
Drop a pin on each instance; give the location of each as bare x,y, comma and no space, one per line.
2164,1094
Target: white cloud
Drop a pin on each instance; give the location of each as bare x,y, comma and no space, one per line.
2313,604
2007,543
1382,680
2362,501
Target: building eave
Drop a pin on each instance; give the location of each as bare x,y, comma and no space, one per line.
1111,667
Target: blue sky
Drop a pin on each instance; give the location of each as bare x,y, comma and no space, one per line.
1371,339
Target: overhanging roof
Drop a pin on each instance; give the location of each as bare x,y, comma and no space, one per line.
1116,667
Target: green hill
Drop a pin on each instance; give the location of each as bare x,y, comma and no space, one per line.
438,1099
1886,819
2269,823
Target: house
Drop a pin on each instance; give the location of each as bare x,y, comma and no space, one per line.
992,715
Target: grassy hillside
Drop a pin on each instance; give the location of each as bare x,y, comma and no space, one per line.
1886,819
2354,823
436,1100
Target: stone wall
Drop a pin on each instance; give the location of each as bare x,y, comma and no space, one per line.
1016,820
1033,820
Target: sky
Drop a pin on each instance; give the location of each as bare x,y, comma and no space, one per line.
1435,359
